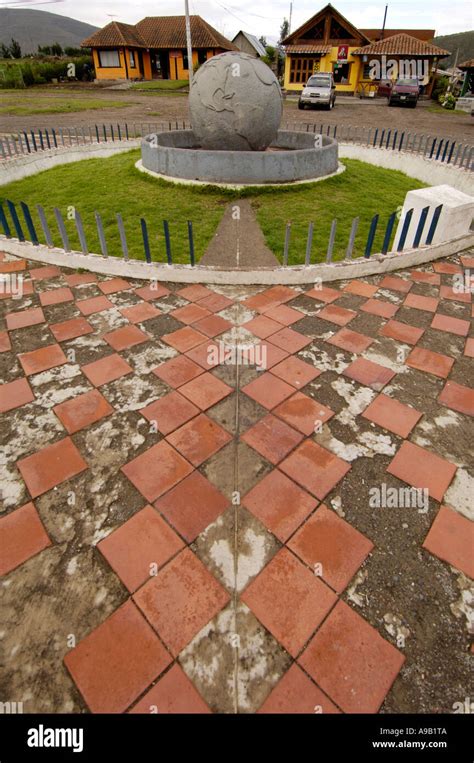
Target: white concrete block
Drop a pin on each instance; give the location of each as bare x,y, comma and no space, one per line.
455,220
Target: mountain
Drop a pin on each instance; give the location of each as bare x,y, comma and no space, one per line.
32,28
464,41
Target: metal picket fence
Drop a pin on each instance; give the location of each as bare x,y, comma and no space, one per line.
10,222
444,150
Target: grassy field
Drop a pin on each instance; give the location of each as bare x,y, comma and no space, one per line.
157,85
114,185
26,105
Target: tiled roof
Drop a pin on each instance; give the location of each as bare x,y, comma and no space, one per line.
316,48
421,34
469,64
115,34
401,45
159,32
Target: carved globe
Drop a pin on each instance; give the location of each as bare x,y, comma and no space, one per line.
235,104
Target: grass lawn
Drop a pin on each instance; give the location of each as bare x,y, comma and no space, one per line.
161,84
115,185
449,112
26,105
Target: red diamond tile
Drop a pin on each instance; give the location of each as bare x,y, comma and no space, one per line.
467,261
125,337
448,292
48,271
106,369
469,348
140,312
140,547
394,283
24,290
430,304
14,394
206,390
71,329
51,466
392,415
177,371
82,411
213,325
154,291
303,413
423,277
269,298
25,318
13,266
5,344
42,360
284,314
458,397
351,662
195,292
268,390
113,285
56,296
380,307
338,315
330,545
181,600
295,372
115,663
172,694
315,468
448,268
272,438
324,294
94,305
199,439
351,341
361,288
192,505
279,504
205,355
78,279
170,412
262,326
451,538
303,600
422,469
430,362
289,340
271,354
157,470
370,374
190,313
451,325
401,332
184,339
296,693
215,303
21,536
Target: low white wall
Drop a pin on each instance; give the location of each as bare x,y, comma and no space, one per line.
428,171
337,271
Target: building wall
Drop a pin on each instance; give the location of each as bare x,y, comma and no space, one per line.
244,45
176,72
326,65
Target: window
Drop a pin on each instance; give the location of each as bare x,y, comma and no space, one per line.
367,72
342,73
185,59
109,59
202,56
132,59
301,69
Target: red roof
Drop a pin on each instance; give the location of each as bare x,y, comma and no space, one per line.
316,48
401,45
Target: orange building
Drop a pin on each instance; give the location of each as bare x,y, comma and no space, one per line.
155,48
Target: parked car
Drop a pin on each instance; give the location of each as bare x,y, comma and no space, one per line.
384,88
319,90
405,92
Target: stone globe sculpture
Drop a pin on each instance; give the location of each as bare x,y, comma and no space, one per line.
235,103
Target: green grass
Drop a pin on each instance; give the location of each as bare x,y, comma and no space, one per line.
115,185
25,106
449,112
161,84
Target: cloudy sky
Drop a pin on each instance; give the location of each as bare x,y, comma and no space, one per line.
265,17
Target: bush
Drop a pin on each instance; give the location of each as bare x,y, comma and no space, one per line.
448,101
441,85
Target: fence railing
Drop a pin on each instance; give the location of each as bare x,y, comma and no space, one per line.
443,150
25,229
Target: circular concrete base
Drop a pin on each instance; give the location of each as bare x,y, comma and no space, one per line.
237,186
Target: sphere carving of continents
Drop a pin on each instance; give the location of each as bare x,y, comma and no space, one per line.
235,104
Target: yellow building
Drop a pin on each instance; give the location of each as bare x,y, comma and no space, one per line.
328,42
155,48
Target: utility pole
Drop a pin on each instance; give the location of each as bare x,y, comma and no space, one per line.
189,43
384,22
289,20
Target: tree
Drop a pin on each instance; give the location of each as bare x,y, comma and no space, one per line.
15,49
56,49
4,51
263,40
284,30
